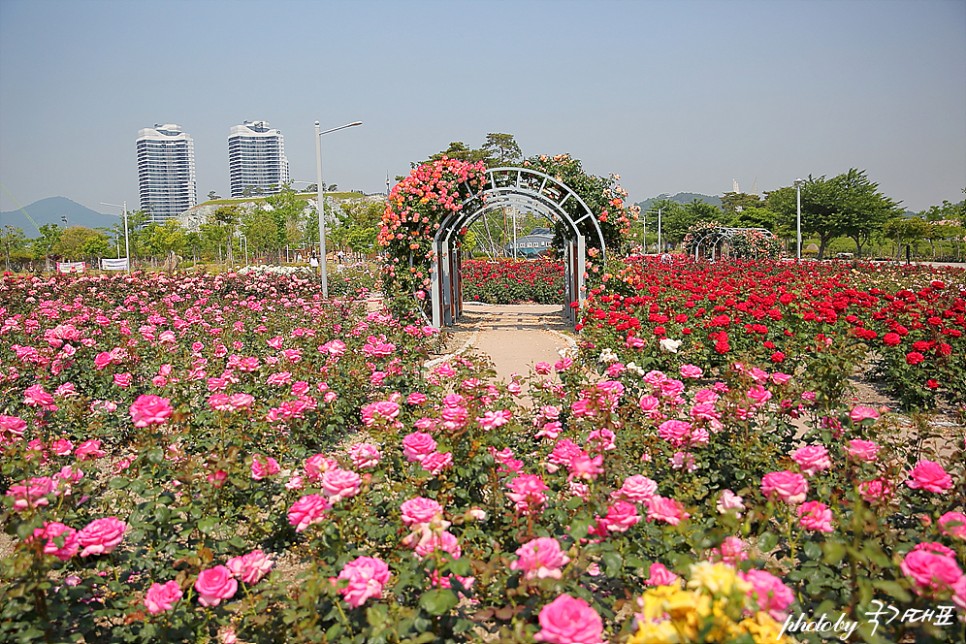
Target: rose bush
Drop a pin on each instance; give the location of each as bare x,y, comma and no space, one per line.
279,469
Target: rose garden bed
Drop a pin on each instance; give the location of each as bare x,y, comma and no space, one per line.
229,458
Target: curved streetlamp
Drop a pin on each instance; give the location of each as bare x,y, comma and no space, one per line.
321,204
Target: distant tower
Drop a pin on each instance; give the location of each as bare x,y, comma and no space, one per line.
256,159
734,186
166,171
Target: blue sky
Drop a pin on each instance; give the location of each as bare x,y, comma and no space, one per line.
673,96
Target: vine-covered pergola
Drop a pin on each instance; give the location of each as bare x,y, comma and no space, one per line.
526,190
712,237
429,211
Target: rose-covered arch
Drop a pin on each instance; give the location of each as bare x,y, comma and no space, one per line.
429,211
707,238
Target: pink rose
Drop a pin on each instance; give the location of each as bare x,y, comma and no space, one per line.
932,567
861,412
89,450
569,620
51,533
417,446
540,558
621,517
364,456
730,501
637,489
250,568
263,467
420,510
162,597
437,462
149,409
306,511
732,550
862,450
101,536
670,511
929,476
338,484
953,524
790,487
815,516
878,489
772,595
365,576
812,459
214,585
661,576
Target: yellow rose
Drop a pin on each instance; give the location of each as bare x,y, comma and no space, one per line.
718,578
655,633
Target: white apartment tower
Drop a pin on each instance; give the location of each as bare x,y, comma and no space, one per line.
256,159
166,171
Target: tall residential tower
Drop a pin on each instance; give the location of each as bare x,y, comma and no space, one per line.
166,171
256,159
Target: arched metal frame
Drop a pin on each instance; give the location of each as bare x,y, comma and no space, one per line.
529,190
715,236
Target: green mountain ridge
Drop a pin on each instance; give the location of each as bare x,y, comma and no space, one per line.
51,210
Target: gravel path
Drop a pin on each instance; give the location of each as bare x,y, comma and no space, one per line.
514,336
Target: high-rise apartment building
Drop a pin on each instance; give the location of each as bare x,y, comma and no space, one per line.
256,159
166,171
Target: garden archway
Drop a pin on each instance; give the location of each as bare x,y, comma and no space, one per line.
526,189
715,236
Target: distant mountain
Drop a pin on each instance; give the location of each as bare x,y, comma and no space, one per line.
681,197
50,211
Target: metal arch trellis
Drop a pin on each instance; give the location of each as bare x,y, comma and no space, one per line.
527,189
714,236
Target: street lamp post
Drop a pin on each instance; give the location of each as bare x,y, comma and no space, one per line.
798,217
660,248
127,245
321,205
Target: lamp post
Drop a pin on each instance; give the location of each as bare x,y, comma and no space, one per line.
127,246
321,197
798,217
660,248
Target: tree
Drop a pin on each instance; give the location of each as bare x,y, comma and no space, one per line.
287,211
457,150
260,230
213,195
502,150
77,242
13,242
677,218
849,204
734,203
861,207
165,238
43,246
905,231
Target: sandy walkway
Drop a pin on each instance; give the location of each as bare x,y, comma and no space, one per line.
514,336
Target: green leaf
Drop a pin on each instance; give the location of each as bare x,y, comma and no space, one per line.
813,550
893,589
767,542
459,567
834,552
612,563
207,525
438,601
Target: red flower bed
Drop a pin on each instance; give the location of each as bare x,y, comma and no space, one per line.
828,316
506,281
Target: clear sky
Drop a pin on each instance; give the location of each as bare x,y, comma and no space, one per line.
673,96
